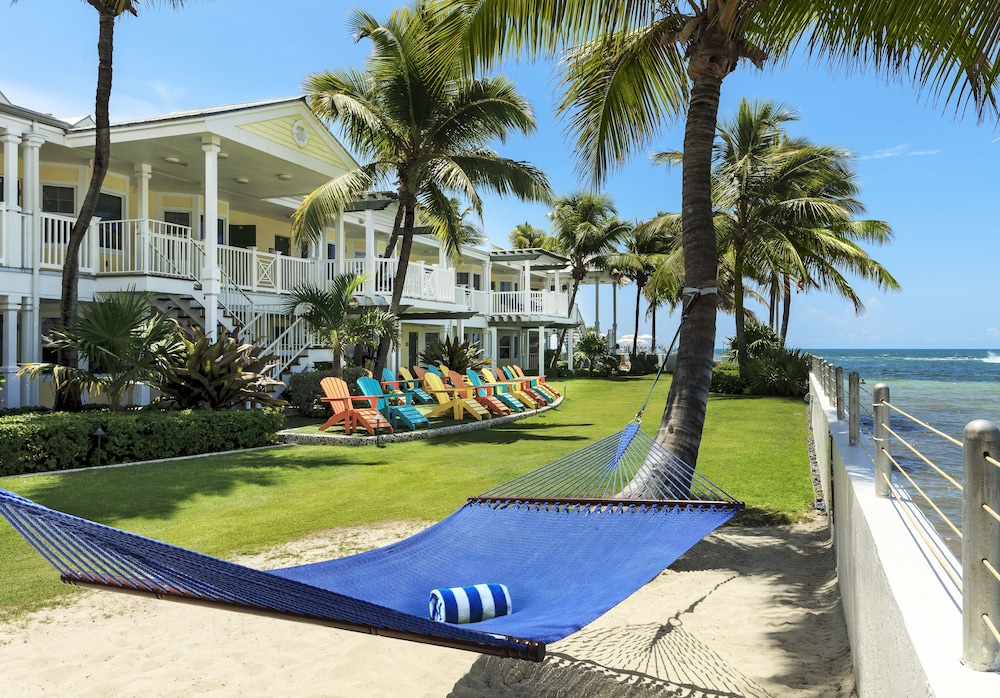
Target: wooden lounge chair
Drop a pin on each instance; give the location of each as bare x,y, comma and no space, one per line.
449,400
405,413
340,400
538,395
413,385
483,396
497,390
511,388
537,382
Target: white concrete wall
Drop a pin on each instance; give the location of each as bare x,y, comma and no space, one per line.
903,611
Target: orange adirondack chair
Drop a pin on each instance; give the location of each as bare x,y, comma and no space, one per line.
512,387
340,400
480,395
536,381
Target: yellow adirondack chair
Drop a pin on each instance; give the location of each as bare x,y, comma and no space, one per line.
449,400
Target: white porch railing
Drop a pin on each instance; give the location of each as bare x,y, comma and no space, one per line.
530,303
55,232
423,281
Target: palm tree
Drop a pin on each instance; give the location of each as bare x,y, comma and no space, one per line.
123,342
586,230
331,314
422,123
638,63
786,207
108,10
455,230
527,236
644,250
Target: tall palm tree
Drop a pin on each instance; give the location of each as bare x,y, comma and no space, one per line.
331,314
586,229
423,124
644,250
455,230
68,398
527,236
787,207
637,64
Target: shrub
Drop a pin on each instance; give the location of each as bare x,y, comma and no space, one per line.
644,364
457,356
778,371
726,379
60,441
304,391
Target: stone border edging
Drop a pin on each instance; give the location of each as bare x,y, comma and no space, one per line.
291,437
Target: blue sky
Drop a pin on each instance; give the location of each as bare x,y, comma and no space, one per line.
927,172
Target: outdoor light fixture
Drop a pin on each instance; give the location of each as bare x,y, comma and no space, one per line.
284,177
242,180
172,159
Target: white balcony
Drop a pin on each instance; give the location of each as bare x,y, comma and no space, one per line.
424,281
547,303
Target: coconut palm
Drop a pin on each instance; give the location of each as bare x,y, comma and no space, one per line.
586,229
636,64
332,315
644,249
108,12
786,208
455,230
122,341
421,123
527,236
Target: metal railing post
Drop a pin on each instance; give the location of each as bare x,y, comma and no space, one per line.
838,379
980,546
880,398
854,408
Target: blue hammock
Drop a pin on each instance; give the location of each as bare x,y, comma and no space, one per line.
570,540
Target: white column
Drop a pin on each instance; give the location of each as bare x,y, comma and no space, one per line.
10,245
597,306
211,277
570,348
30,348
488,287
541,350
10,393
527,286
494,347
341,250
31,195
370,270
143,173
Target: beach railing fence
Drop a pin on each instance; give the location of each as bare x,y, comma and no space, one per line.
979,531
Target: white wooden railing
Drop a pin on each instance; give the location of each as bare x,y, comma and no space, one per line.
55,232
530,303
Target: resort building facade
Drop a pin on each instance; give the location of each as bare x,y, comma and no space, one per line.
238,171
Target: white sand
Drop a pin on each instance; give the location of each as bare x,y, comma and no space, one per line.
747,612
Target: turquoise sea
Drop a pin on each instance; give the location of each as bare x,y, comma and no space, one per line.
946,388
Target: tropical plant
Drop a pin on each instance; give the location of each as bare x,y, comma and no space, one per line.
526,236
758,337
785,208
645,248
592,346
122,342
586,229
635,64
457,356
215,374
333,317
778,371
456,231
423,123
67,397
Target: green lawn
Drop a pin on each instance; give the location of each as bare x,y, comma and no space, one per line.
755,448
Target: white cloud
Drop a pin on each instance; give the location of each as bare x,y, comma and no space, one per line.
892,152
934,151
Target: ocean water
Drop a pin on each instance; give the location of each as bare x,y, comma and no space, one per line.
945,388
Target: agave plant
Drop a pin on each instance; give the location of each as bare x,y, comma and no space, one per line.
458,356
216,375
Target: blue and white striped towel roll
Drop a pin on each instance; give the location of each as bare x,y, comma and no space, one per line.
469,604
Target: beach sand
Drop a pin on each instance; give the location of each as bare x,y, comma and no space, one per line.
746,612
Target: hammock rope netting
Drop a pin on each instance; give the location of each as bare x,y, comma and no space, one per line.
570,540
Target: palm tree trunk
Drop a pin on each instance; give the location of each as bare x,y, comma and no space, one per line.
742,359
635,337
406,234
390,246
684,416
786,305
68,397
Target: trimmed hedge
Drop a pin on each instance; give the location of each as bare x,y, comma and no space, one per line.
726,379
60,440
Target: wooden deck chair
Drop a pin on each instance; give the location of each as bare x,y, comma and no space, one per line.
405,384
496,391
510,388
537,382
448,400
340,400
538,395
406,413
482,395
419,372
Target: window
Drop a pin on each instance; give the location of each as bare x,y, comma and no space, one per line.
462,278
331,251
243,236
283,244
179,218
430,338
504,348
220,229
109,209
505,286
18,191
477,282
58,199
